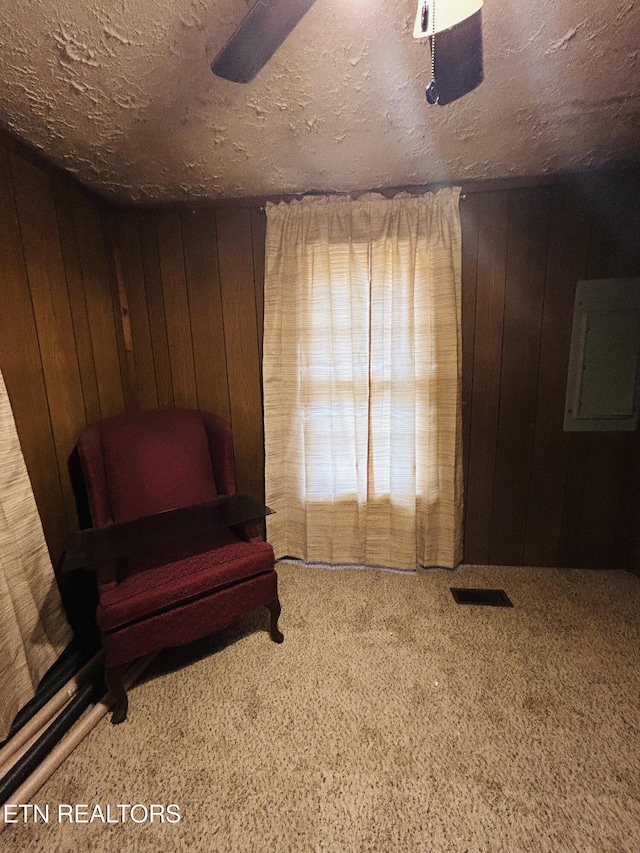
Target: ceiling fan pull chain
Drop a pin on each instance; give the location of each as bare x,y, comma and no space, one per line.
433,96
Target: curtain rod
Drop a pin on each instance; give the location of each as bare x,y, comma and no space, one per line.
262,208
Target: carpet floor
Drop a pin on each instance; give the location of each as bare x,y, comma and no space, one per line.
391,719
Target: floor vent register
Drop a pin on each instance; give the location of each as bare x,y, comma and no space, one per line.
485,597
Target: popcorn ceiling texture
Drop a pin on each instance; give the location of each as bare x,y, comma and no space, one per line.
120,93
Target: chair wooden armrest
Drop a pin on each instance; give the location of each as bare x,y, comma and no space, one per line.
103,545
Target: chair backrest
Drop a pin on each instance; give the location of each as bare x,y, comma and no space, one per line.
148,461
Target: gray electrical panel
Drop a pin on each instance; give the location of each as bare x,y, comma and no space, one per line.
603,381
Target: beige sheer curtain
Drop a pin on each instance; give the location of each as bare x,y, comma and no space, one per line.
33,627
362,379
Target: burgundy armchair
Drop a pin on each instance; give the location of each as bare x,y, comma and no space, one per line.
141,469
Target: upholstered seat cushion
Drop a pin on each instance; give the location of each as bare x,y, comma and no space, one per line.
145,587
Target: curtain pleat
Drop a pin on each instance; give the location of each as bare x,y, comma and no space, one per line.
33,628
361,370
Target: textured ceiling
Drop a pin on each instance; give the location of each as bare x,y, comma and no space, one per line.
120,93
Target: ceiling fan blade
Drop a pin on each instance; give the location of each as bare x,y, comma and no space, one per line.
257,38
459,66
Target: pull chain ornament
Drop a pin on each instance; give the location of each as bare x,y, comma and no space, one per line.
424,21
431,92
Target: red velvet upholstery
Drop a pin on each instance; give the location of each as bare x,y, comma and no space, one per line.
146,462
90,448
148,589
187,623
154,463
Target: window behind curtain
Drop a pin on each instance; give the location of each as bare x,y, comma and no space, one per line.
348,387
361,380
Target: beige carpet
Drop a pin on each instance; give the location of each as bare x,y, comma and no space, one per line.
391,719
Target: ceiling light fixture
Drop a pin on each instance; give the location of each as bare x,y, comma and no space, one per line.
459,66
449,14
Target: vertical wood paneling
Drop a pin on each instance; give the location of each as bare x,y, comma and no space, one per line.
52,312
525,272
235,255
58,344
22,369
176,304
566,265
129,259
582,466
601,501
625,261
205,305
570,551
469,219
103,314
258,236
490,285
553,498
155,307
614,252
192,283
122,321
77,299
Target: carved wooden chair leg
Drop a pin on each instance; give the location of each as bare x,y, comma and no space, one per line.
274,632
114,678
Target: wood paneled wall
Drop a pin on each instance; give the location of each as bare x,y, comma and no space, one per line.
194,281
59,325
105,308
536,495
